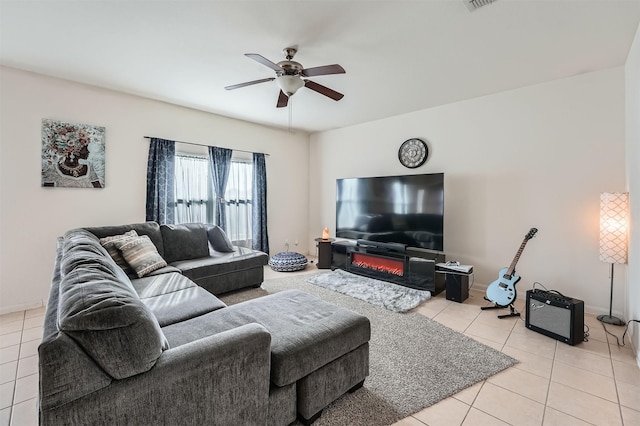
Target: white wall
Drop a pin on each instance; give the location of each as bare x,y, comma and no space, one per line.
632,80
533,157
31,217
537,156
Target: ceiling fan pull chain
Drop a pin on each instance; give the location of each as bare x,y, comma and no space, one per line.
291,114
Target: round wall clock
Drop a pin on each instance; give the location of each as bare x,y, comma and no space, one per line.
413,153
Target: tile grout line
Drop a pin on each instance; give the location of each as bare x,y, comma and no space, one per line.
15,376
474,401
469,408
546,398
494,416
613,370
618,403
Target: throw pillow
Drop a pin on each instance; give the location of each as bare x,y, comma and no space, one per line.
185,241
219,239
141,255
109,243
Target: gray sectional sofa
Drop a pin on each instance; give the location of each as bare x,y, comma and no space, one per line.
156,346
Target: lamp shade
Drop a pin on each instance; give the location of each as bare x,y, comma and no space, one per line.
613,227
289,84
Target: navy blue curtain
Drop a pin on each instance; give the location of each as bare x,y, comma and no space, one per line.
220,163
160,181
259,211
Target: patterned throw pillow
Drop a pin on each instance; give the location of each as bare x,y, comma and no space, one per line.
141,255
109,243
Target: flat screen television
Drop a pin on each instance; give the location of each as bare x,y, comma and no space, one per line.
405,209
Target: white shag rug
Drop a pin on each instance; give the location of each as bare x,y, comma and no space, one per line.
394,297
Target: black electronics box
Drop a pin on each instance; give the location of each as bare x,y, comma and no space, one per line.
340,254
457,286
556,316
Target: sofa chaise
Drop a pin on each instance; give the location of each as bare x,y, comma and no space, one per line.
153,345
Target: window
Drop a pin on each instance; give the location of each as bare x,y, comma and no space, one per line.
194,202
238,203
195,196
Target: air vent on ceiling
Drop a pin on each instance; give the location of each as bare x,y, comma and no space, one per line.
476,4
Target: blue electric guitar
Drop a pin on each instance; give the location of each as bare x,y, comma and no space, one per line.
502,291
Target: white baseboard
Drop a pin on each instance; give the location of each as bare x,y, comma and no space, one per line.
21,307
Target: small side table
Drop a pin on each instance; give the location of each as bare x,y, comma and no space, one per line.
324,252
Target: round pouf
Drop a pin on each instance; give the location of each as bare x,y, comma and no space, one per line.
288,261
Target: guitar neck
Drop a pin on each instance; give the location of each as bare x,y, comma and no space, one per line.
512,267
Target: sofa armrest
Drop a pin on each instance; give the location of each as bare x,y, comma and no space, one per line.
222,379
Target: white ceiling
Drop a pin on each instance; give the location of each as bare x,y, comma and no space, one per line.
399,56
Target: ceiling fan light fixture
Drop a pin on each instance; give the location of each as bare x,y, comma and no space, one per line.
289,84
289,76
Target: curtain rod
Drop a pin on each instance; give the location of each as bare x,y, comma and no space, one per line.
201,144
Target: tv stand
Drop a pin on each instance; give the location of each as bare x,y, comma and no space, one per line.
389,262
382,247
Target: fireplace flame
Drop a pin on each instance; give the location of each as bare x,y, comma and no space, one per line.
375,263
379,268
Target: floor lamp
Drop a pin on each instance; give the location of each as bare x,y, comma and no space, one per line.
613,238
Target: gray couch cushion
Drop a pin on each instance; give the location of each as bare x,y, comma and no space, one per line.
100,310
220,380
155,285
182,305
219,239
185,241
222,263
307,332
173,298
66,372
150,229
78,247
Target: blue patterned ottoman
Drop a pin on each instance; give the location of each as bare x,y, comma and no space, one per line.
288,261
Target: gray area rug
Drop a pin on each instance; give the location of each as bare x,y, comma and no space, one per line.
390,296
414,361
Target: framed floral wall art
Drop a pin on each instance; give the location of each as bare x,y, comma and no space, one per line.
72,155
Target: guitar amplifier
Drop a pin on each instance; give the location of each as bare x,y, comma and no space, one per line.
558,317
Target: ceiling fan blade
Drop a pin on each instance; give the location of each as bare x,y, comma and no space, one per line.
323,70
249,83
283,100
323,90
264,61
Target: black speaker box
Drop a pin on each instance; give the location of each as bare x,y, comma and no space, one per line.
559,317
457,286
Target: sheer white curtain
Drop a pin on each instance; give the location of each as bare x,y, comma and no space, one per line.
192,190
238,203
195,196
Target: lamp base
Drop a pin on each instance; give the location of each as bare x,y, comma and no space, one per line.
608,319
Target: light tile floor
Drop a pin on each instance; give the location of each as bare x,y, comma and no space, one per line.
593,383
20,335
